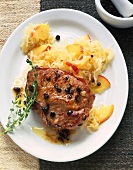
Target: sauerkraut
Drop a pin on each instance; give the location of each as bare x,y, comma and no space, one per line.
36,35
91,62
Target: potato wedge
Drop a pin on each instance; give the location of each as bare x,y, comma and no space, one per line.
101,85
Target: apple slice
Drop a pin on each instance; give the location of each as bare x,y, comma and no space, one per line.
41,31
74,67
87,37
98,115
101,85
36,51
76,49
103,113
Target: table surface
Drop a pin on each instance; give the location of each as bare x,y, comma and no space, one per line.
117,153
12,14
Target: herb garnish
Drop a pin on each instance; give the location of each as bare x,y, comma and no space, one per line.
19,113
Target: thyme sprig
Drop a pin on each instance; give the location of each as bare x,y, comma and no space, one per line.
19,113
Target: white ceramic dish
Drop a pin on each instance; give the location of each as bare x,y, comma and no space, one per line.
69,24
112,20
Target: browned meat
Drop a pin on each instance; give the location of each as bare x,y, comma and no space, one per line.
63,100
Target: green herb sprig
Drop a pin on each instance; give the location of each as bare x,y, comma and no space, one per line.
19,113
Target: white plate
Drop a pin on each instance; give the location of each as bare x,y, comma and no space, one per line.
67,23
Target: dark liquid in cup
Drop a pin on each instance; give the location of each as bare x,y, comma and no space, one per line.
110,8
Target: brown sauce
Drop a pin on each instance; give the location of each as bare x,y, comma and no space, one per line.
51,135
21,95
18,88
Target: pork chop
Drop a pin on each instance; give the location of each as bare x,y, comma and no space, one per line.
63,100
